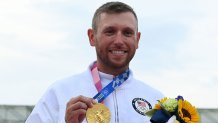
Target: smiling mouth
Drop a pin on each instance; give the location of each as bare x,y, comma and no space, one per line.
118,52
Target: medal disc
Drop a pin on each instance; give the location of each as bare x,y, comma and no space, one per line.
99,113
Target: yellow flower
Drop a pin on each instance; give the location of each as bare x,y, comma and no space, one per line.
157,106
187,112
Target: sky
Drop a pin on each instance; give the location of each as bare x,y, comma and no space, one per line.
42,41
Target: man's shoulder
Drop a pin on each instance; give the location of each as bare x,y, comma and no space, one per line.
68,87
144,86
72,80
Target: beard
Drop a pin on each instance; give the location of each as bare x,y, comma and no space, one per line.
118,64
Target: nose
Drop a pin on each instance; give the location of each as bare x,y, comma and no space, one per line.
119,39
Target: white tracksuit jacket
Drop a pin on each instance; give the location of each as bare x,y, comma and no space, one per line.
51,107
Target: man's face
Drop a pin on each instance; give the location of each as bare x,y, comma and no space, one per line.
116,39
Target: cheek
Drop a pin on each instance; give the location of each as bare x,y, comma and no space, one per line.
133,44
136,45
101,45
104,42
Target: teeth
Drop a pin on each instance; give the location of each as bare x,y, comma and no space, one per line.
118,52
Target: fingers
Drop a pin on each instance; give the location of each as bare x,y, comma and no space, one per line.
78,105
76,109
86,100
76,116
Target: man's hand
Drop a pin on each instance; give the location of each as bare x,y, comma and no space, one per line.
76,109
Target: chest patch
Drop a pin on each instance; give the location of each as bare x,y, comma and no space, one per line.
141,105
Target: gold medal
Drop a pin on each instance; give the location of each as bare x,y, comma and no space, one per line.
99,113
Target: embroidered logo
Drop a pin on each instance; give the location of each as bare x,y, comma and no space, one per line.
141,105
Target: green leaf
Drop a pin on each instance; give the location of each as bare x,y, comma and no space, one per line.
150,113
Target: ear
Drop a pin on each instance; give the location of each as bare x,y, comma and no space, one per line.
91,37
137,39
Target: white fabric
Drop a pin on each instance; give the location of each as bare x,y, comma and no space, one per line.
51,107
173,120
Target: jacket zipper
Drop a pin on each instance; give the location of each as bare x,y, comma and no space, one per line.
116,107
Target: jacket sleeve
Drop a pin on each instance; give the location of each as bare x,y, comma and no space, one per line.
46,110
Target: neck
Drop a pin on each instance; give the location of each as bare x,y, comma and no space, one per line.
111,70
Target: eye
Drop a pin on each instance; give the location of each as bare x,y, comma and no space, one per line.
128,33
109,31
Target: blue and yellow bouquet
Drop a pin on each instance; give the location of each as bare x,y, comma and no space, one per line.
178,107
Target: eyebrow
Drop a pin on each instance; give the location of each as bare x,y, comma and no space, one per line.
113,27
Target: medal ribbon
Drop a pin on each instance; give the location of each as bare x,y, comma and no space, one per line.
107,90
96,77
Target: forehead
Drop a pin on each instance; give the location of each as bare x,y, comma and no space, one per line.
124,19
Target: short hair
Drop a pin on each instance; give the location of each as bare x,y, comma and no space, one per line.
111,8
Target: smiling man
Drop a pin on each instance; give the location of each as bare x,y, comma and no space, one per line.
115,39
108,80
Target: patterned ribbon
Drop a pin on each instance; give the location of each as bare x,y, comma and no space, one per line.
107,90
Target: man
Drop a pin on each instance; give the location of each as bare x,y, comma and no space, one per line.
115,36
